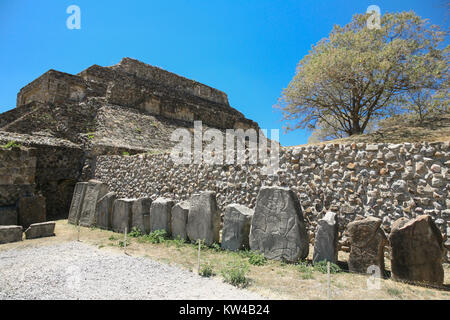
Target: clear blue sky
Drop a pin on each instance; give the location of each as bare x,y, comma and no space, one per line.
249,49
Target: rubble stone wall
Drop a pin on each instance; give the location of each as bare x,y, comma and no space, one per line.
382,180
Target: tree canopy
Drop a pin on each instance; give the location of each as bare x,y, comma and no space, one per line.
358,75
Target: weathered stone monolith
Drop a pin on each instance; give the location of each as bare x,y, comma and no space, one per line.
122,215
40,230
95,190
77,202
179,216
236,227
326,239
278,229
160,215
141,214
204,218
10,234
367,242
103,211
31,210
417,251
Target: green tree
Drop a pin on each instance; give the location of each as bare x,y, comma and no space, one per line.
358,75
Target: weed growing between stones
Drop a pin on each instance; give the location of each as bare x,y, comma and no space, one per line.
256,259
321,266
216,247
157,236
236,274
206,270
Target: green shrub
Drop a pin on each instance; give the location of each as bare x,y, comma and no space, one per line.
321,266
122,243
257,259
206,270
236,274
216,247
135,233
157,236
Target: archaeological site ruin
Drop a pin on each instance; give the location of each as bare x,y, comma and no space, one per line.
94,148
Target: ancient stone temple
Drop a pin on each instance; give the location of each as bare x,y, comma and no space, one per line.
65,121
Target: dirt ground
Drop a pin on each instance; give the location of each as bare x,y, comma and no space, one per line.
274,279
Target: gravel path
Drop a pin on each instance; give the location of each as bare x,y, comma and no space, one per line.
74,270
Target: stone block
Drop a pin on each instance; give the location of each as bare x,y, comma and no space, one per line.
160,215
367,242
141,214
179,219
278,229
104,209
122,215
236,227
8,216
326,239
95,190
10,234
417,251
31,210
204,218
77,202
40,230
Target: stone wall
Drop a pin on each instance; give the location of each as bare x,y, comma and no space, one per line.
17,174
383,180
52,168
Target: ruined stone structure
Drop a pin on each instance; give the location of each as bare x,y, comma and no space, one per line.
71,119
75,128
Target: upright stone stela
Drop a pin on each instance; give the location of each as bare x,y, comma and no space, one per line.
278,229
95,190
77,202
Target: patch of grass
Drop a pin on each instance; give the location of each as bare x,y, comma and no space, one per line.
235,274
125,153
307,275
113,238
257,259
394,291
178,242
216,247
305,267
206,270
90,135
10,144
